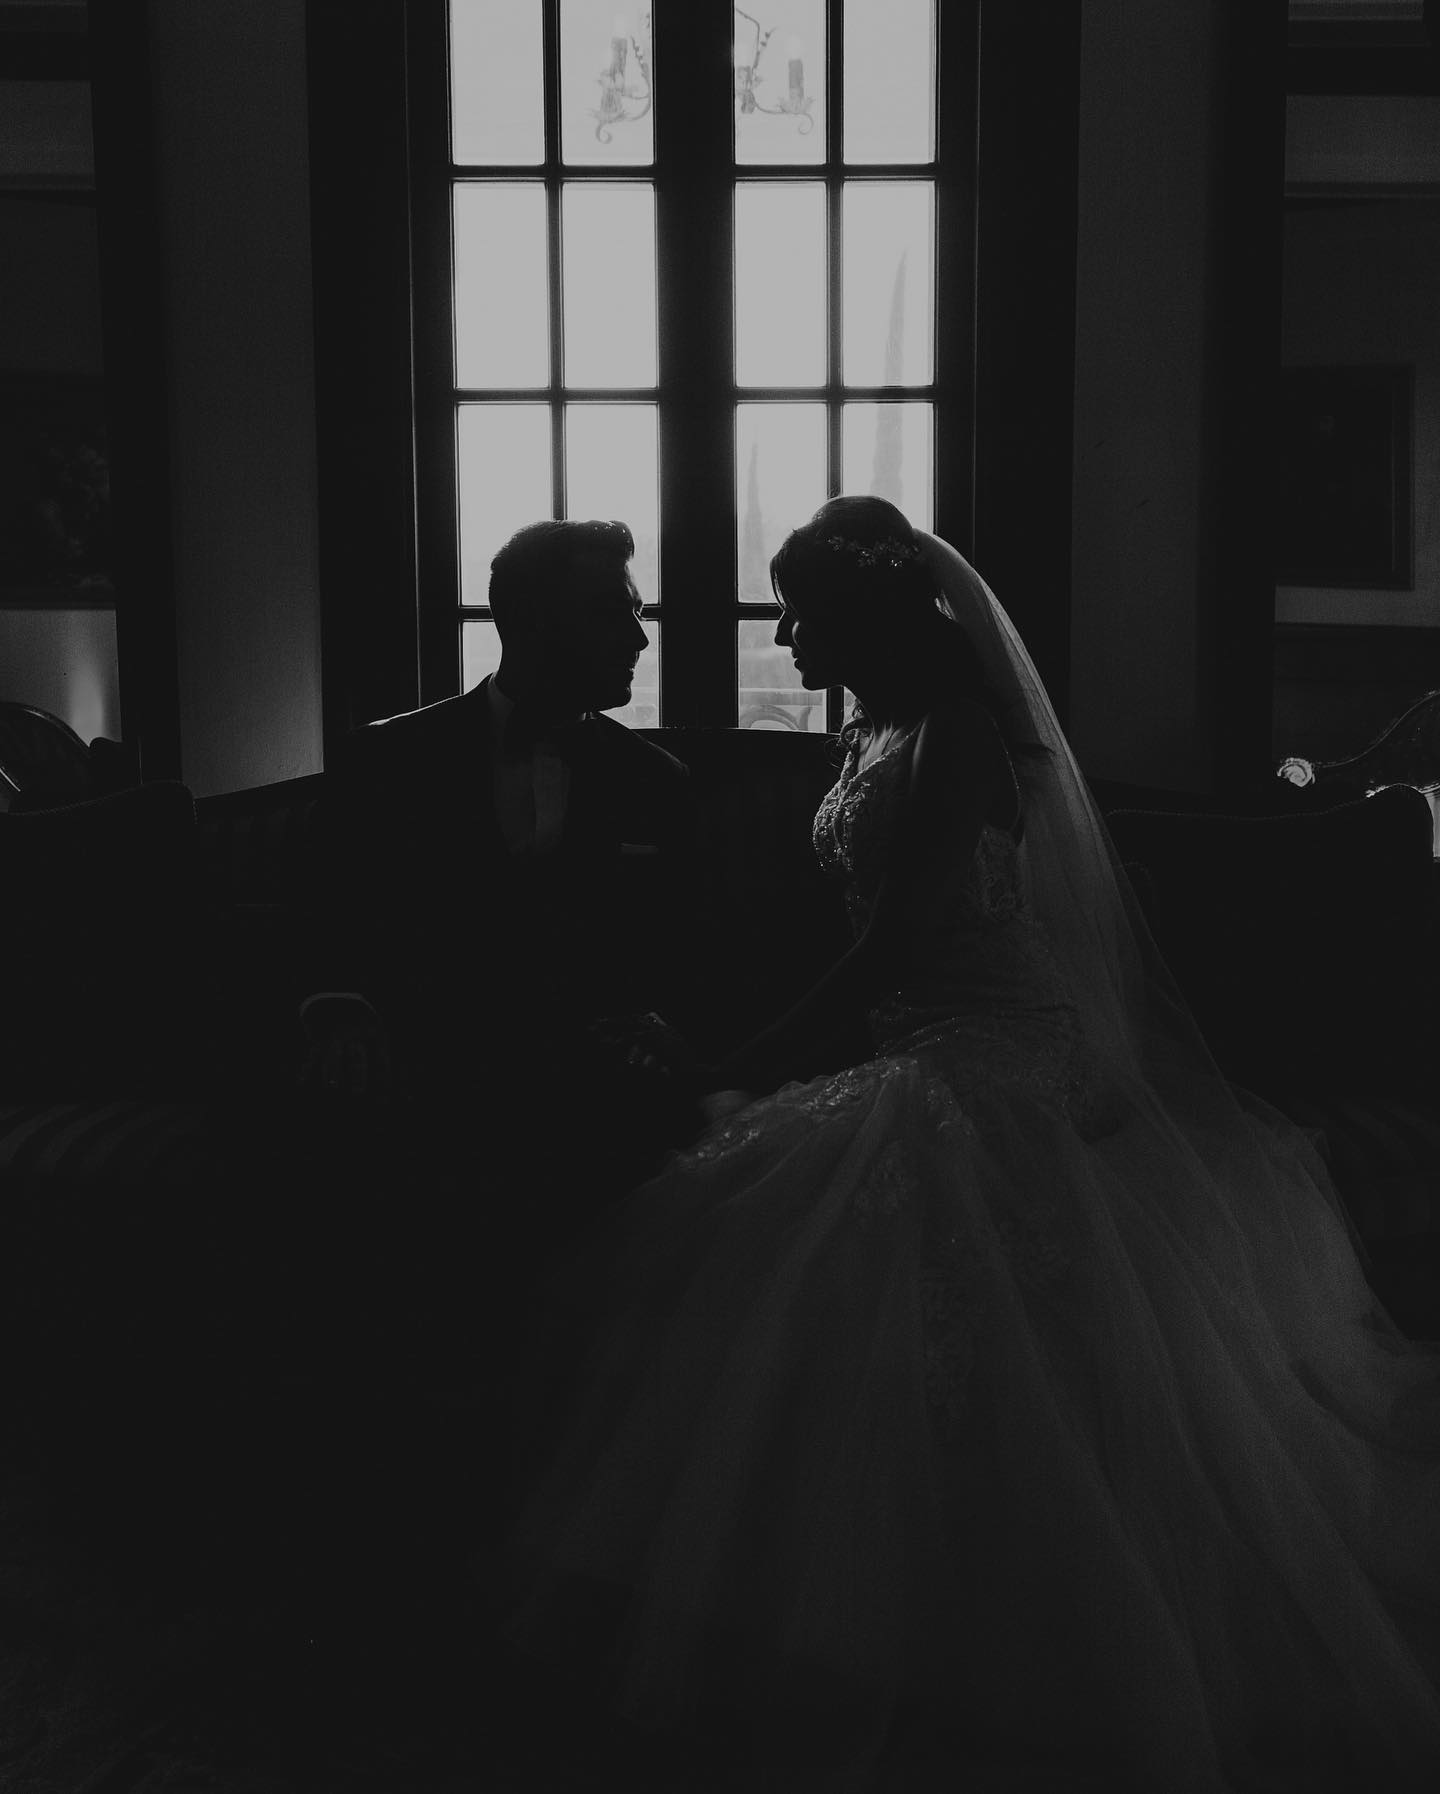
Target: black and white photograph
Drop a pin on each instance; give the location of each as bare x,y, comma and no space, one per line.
720,877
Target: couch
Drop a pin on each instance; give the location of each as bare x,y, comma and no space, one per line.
1304,941
154,1158
183,1465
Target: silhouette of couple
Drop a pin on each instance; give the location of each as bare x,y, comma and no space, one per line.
1013,1397
502,894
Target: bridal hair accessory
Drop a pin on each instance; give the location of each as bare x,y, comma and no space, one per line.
889,552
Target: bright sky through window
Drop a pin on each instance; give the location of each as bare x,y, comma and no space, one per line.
564,400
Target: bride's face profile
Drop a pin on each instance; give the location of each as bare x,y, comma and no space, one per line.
819,645
845,584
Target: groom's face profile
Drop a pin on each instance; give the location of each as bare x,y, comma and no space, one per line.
593,631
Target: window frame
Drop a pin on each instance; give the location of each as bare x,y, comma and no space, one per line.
694,178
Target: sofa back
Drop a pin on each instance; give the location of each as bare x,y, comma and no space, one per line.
766,925
255,844
769,922
101,902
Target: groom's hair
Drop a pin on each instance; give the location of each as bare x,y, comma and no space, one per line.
537,559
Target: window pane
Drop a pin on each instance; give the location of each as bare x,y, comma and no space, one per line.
780,480
771,695
605,73
889,80
502,311
479,651
609,250
780,83
889,450
643,710
889,283
503,455
780,283
497,93
612,469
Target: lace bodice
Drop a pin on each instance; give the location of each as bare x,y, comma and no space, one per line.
853,829
981,985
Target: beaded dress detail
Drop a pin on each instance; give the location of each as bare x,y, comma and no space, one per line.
982,992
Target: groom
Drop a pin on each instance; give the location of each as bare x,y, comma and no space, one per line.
500,875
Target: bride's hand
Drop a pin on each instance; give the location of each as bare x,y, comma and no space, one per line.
717,1105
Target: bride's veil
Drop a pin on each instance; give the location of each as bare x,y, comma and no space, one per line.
1242,1185
1141,1033
1133,1014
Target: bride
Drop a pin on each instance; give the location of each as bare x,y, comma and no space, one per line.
1011,1404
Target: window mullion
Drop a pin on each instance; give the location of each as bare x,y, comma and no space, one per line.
835,198
551,28
436,495
695,228
557,347
957,127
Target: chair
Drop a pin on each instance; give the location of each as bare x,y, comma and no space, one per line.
43,762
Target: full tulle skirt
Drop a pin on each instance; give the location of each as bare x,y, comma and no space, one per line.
906,1393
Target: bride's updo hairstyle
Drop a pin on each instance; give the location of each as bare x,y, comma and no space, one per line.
858,557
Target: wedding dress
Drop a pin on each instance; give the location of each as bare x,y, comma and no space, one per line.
1024,1374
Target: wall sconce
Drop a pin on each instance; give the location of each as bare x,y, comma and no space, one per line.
621,101
796,102
624,100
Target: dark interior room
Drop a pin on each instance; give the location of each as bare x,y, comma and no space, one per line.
305,311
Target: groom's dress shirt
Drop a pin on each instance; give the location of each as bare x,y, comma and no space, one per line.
529,779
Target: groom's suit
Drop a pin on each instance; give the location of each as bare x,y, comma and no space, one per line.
413,1228
485,956
441,910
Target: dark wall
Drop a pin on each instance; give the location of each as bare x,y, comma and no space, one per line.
230,133
49,285
1177,352
59,656
1360,283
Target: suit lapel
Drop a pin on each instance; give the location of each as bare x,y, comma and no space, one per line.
476,773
